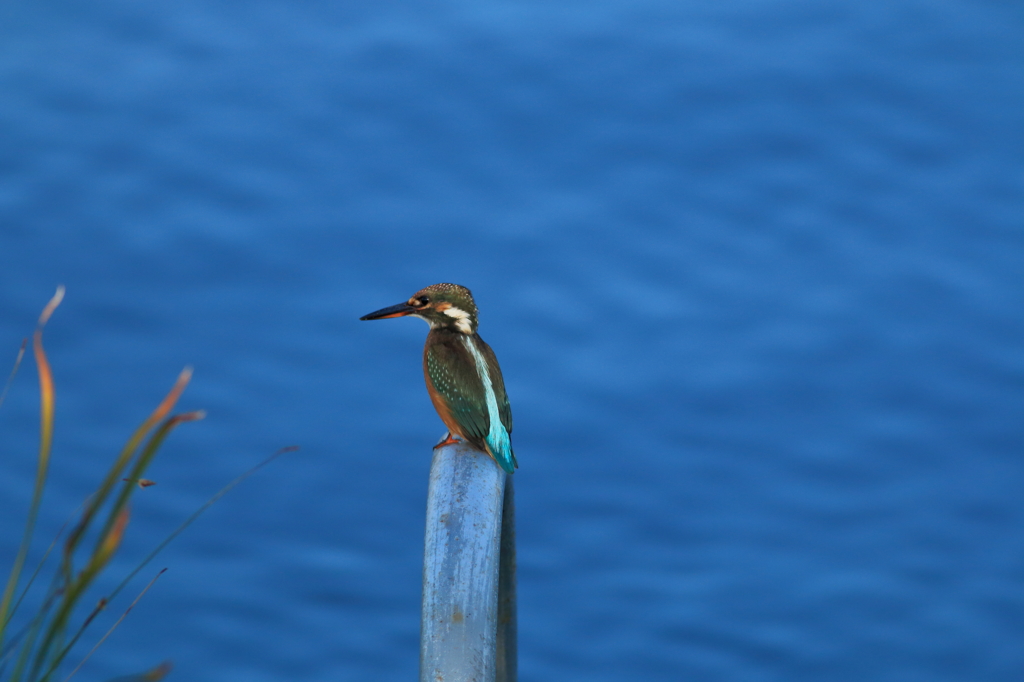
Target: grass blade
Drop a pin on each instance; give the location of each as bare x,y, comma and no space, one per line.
98,499
110,534
195,515
52,593
14,371
155,675
46,400
142,462
108,633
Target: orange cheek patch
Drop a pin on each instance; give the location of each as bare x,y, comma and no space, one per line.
441,307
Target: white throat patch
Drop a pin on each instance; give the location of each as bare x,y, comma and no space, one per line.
461,319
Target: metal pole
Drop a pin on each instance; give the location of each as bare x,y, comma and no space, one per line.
508,635
459,627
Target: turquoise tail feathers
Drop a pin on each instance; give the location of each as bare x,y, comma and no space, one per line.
500,447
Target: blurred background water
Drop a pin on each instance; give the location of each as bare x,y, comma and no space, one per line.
752,270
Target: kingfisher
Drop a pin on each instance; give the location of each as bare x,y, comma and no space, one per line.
462,373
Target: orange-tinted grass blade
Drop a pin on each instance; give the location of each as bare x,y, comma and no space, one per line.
14,371
112,540
158,673
46,399
196,514
155,675
165,406
101,554
142,482
108,633
108,540
58,296
143,461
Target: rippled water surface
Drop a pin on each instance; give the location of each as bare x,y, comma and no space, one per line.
752,271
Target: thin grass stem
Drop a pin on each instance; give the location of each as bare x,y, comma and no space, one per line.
195,515
112,628
100,497
14,371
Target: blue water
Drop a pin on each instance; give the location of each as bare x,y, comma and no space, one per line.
753,272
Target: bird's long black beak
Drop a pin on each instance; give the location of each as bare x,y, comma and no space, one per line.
399,310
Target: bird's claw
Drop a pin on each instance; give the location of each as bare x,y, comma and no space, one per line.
449,439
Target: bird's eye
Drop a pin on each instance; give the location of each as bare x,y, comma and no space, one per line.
419,302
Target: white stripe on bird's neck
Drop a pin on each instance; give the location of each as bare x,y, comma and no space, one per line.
462,321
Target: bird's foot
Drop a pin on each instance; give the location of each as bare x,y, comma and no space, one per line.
449,439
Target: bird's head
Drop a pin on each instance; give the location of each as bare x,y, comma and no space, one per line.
443,306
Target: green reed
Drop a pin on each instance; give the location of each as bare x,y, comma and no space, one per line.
35,652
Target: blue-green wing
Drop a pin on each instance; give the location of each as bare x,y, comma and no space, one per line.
452,373
451,369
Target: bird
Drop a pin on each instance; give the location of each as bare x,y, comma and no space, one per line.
462,374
